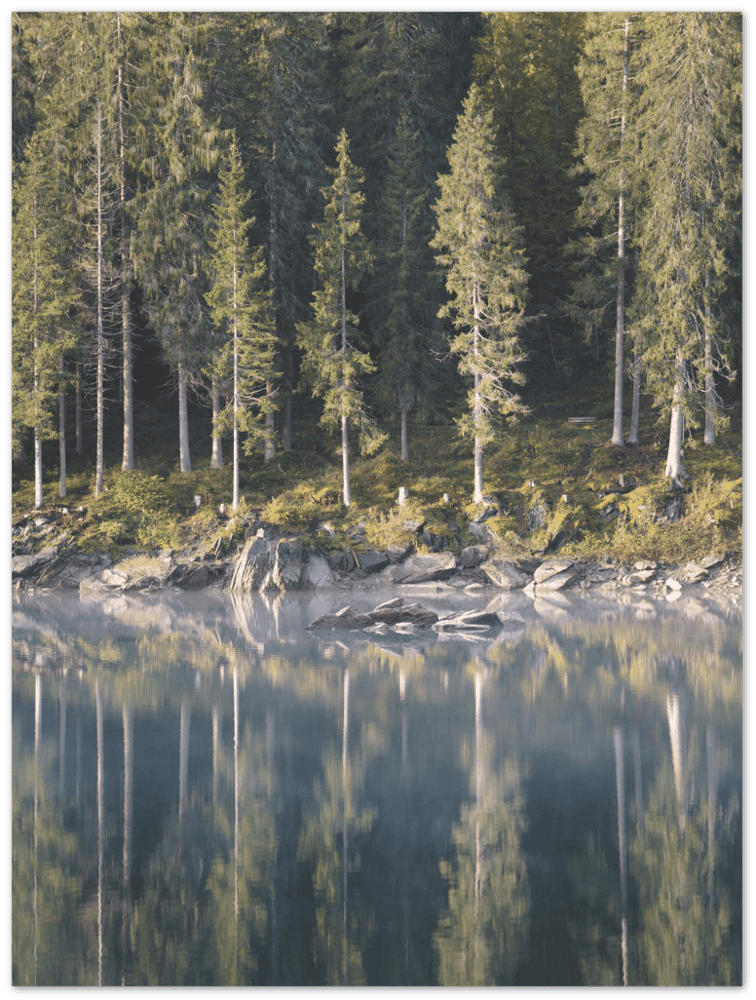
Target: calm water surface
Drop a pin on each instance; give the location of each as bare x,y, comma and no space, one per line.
204,792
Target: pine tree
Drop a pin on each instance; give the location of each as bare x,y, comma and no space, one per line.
332,362
43,296
271,82
172,207
526,65
606,149
404,292
481,253
240,309
691,72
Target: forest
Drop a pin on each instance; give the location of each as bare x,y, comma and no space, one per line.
311,238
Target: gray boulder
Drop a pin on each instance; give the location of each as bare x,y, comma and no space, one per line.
253,564
317,572
372,561
504,574
421,569
26,566
552,567
286,572
472,556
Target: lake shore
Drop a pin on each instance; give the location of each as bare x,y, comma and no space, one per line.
270,561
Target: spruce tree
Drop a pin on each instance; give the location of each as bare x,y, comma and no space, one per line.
405,290
482,257
333,362
526,65
688,235
241,312
606,148
43,296
172,206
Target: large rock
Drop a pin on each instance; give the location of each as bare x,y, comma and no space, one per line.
253,564
552,567
372,561
26,566
287,570
504,574
472,556
557,581
396,612
421,569
347,618
317,572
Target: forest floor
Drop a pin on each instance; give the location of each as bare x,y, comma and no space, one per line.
553,486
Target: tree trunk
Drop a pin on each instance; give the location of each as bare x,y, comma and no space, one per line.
62,433
270,426
710,403
619,339
345,461
216,457
404,445
344,419
235,472
286,414
477,414
632,437
128,387
78,408
619,342
37,471
674,469
185,462
100,456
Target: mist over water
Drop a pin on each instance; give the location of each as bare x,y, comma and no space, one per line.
207,793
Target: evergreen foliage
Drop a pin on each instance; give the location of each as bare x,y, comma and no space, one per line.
333,362
241,313
405,297
44,295
481,252
614,135
691,159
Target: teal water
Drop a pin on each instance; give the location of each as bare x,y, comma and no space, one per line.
204,792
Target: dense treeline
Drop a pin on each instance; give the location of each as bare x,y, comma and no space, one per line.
389,213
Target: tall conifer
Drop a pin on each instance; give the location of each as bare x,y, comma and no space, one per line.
241,310
691,73
482,257
333,362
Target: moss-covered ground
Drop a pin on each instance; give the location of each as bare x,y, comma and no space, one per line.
556,486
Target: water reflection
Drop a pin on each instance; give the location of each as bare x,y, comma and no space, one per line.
205,793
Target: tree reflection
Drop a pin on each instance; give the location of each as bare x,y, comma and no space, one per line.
481,939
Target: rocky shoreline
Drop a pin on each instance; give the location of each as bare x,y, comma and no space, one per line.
271,561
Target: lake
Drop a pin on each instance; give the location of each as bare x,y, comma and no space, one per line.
206,793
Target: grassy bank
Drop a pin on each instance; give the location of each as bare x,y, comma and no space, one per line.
556,486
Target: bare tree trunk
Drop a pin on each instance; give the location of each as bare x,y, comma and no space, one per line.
710,402
216,457
477,413
270,426
78,408
38,500
62,432
185,462
235,404
674,468
619,341
100,457
344,419
128,385
404,443
632,437
345,461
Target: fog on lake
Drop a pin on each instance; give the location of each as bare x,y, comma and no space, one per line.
204,792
